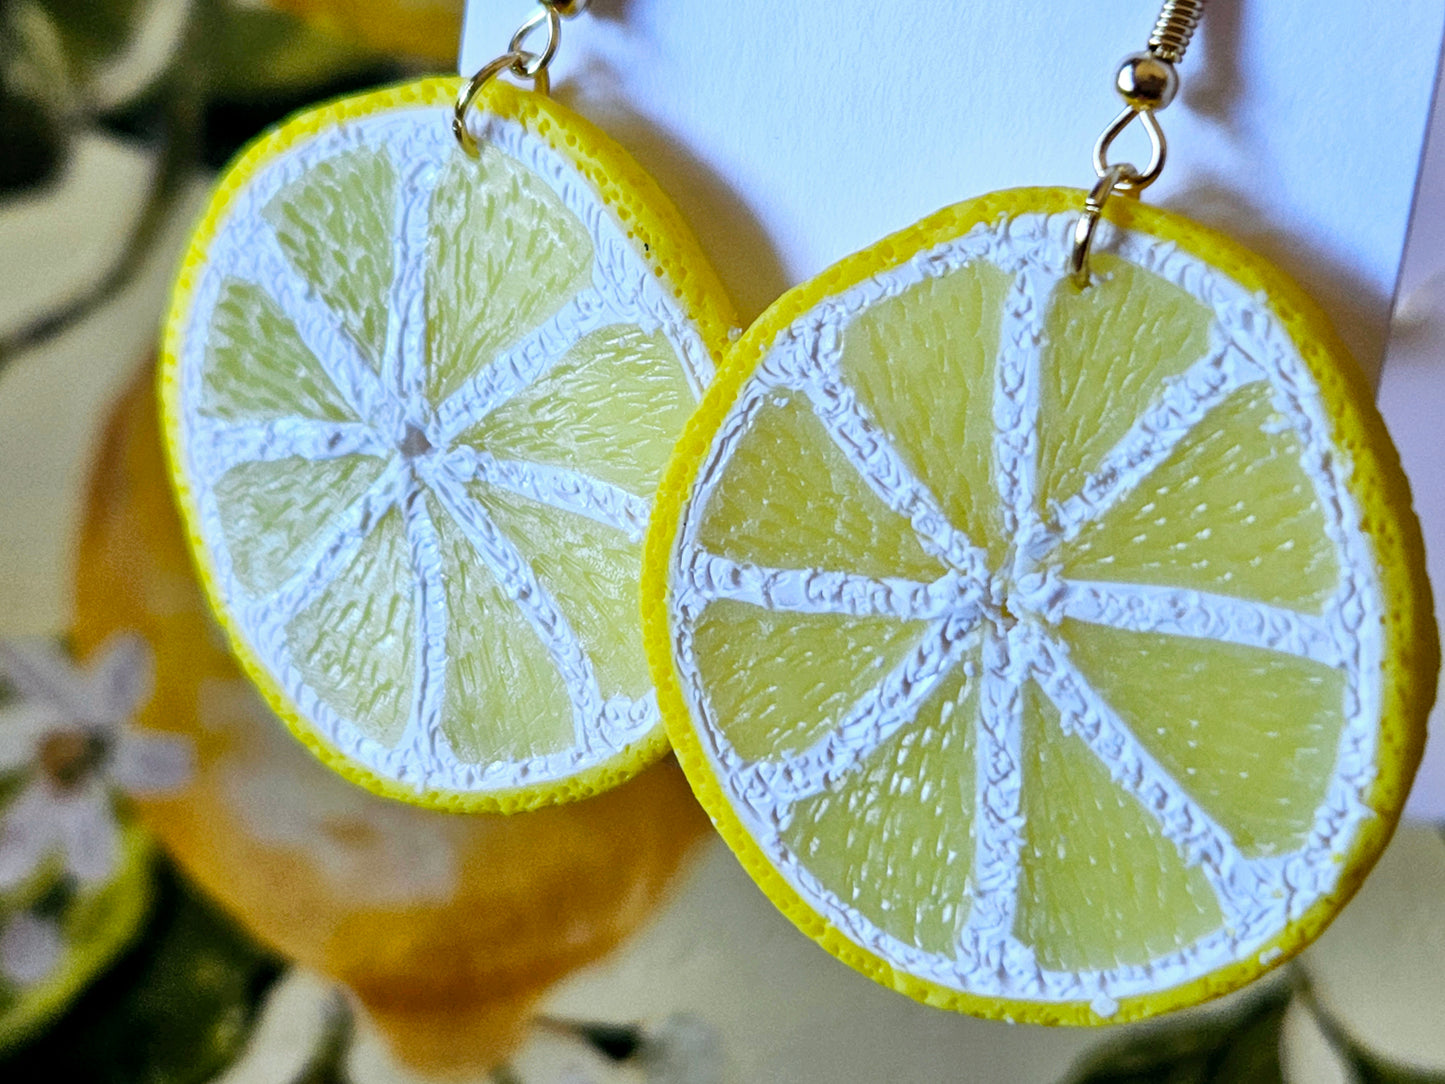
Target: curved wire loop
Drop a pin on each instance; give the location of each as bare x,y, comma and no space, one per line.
508,61
535,63
519,60
1134,179
1087,226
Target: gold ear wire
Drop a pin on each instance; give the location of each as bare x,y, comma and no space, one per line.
1147,82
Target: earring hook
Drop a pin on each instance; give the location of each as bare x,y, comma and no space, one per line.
1147,82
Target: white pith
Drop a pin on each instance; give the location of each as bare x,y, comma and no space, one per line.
624,290
1258,896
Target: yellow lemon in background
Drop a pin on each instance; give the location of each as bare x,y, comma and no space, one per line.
447,928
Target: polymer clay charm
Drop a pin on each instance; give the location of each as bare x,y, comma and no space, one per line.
1037,608
418,390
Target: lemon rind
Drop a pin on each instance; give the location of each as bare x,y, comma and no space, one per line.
1411,654
664,243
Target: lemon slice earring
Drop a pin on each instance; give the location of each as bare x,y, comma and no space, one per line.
427,356
1036,604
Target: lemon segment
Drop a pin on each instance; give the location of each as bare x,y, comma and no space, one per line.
354,644
498,665
271,512
1107,352
1047,653
279,382
334,225
949,329
1110,891
1101,887
416,404
592,569
1232,510
895,840
508,254
613,407
1259,760
782,680
791,500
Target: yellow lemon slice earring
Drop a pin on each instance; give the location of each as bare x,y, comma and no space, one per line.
428,353
1036,604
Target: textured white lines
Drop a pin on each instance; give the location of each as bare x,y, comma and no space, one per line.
1016,401
877,716
517,367
558,487
1182,612
259,259
1158,431
423,734
709,578
516,577
333,551
882,468
224,445
1083,712
404,362
998,819
1248,890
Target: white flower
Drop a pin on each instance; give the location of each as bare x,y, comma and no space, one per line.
69,727
683,1049
30,947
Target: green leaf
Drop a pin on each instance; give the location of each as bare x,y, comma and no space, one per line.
175,1009
1239,1048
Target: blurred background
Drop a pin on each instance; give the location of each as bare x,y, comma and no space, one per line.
186,896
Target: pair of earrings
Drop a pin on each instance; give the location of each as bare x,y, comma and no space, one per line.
1032,599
